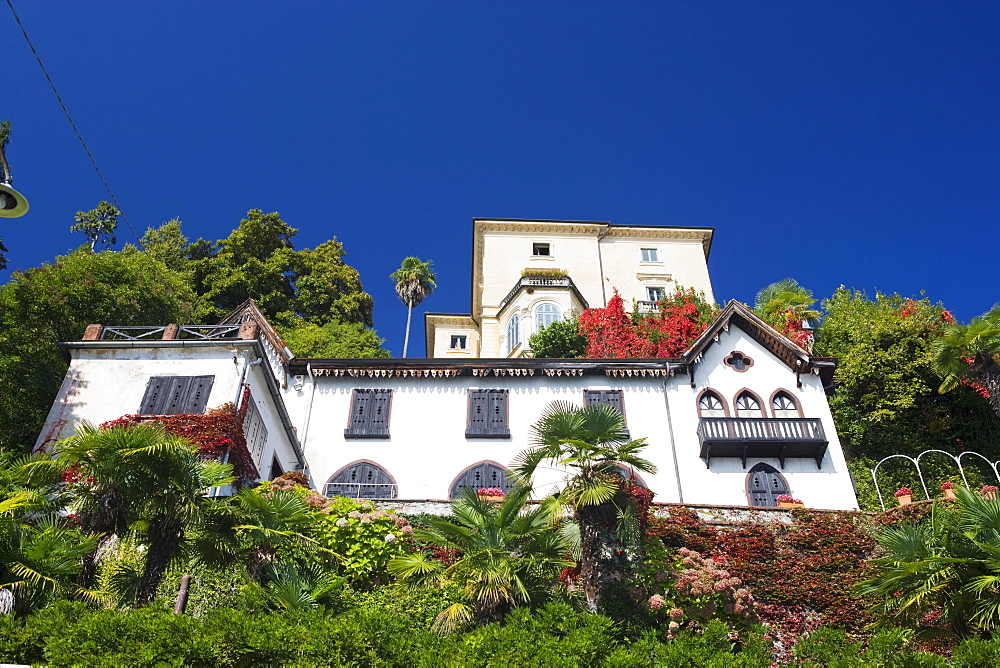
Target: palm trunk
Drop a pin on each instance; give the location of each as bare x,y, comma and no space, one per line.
260,559
406,340
597,539
165,534
108,520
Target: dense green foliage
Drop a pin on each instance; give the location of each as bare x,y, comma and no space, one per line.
98,224
561,338
886,399
333,339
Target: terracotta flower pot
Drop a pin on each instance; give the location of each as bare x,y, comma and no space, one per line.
788,504
949,494
905,500
992,496
491,499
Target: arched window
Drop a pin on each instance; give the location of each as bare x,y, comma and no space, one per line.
784,406
765,485
545,314
513,333
479,476
362,480
747,406
710,406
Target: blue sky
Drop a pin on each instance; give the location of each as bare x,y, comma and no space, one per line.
852,143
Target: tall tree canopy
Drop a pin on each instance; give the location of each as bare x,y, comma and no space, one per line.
98,224
55,302
414,281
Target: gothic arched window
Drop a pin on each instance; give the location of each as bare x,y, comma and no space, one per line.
748,406
363,480
480,476
783,406
711,406
765,485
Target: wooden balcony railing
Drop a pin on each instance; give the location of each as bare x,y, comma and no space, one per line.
757,438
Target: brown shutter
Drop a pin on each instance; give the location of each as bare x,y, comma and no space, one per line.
369,414
487,414
169,395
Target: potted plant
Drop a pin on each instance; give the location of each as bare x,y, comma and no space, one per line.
905,496
494,494
949,491
787,501
989,491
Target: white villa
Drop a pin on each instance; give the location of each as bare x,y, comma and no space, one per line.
739,419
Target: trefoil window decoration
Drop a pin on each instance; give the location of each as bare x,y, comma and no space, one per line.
369,414
546,314
710,406
487,414
738,361
170,395
784,406
747,406
513,333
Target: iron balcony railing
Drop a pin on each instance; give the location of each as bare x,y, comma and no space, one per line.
359,490
758,438
205,332
538,282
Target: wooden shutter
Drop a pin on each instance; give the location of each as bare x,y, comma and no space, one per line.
169,395
487,414
611,398
369,414
765,485
481,476
362,481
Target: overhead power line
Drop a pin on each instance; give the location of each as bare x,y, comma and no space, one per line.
62,104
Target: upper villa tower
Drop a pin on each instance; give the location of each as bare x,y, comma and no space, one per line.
529,273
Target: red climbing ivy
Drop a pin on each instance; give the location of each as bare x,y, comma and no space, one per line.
216,432
614,334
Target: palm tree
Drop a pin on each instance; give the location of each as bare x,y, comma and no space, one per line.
268,521
948,562
591,442
971,353
508,555
414,282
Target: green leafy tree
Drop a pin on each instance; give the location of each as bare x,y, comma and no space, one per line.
590,442
886,401
971,354
414,282
333,339
98,224
56,302
561,338
786,306
947,563
506,555
167,244
327,289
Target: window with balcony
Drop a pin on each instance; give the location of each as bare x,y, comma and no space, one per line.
513,333
783,406
169,395
362,480
748,406
546,314
711,406
487,414
369,414
650,254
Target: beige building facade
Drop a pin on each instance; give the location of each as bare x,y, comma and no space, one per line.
527,274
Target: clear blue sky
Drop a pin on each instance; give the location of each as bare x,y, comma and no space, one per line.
841,142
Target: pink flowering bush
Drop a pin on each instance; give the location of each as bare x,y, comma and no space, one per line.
363,538
947,485
787,498
903,491
688,590
490,491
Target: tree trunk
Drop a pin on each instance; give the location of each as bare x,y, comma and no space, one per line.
406,340
597,542
260,559
164,536
108,520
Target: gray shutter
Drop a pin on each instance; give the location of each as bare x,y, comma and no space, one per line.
765,485
487,414
369,414
362,481
169,395
481,476
611,398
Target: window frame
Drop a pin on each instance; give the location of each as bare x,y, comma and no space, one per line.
652,290
557,315
772,494
393,486
795,403
538,246
513,326
486,428
506,484
753,395
366,427
655,253
464,338
717,395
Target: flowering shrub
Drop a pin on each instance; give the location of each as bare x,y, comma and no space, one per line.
690,590
787,498
903,491
215,432
364,539
490,491
947,485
